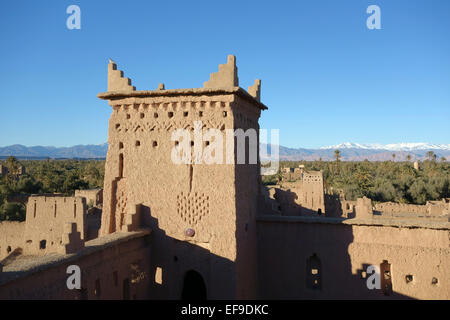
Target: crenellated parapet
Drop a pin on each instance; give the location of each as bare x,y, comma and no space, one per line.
255,90
227,76
116,80
225,80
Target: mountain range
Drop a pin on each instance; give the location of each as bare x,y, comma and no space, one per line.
43,152
348,151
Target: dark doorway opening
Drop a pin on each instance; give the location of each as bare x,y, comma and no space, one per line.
193,286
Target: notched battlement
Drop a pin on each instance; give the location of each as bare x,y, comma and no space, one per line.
225,81
227,76
116,80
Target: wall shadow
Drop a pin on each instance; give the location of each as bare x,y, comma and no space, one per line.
172,263
307,260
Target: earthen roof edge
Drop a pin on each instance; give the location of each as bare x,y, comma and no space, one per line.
113,95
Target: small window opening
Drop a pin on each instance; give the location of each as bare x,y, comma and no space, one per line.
314,273
97,290
386,278
159,275
409,278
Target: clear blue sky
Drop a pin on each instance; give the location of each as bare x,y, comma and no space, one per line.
326,78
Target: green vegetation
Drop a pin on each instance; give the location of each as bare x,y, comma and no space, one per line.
45,176
381,181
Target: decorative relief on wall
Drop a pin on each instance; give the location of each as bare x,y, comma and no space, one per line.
121,202
136,126
192,207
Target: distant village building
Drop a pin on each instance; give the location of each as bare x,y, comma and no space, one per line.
19,172
3,170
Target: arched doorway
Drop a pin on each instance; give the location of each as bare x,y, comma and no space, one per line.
193,286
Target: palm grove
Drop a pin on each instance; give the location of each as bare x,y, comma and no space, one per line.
380,181
44,176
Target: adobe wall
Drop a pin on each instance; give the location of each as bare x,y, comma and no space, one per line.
291,174
302,197
93,196
217,201
344,251
312,196
116,267
45,220
202,197
11,237
431,208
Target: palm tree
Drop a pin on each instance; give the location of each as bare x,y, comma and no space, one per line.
393,157
337,155
430,155
408,157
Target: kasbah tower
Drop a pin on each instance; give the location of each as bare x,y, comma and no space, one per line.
202,216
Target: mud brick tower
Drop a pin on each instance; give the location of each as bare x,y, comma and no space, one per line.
202,216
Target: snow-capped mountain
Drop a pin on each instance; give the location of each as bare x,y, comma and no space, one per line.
403,146
348,151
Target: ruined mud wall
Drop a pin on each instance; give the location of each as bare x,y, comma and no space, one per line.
93,196
45,220
11,237
431,208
